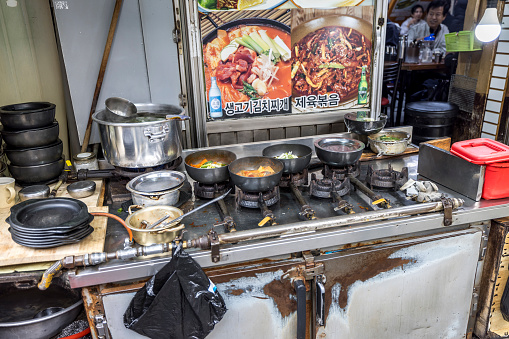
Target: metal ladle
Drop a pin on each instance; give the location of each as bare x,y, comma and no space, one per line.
121,106
159,224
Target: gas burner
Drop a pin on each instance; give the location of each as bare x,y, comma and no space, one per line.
134,172
299,179
324,188
341,173
250,199
386,178
209,191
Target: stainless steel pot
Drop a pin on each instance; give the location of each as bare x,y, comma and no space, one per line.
388,147
151,215
156,188
339,151
145,140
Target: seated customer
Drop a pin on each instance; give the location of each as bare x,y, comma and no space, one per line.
437,11
417,12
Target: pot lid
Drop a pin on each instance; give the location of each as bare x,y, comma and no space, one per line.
156,182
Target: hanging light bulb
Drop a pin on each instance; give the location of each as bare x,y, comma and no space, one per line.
488,28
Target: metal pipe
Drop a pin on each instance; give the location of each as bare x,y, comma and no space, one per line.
343,220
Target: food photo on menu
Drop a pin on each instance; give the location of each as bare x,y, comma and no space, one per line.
247,63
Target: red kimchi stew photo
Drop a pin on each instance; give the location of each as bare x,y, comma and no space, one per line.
329,60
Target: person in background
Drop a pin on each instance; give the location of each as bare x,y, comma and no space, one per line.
417,13
437,11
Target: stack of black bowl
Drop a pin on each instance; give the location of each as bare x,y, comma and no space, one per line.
50,222
33,148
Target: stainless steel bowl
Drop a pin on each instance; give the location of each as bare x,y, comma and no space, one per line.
362,127
339,151
81,189
156,188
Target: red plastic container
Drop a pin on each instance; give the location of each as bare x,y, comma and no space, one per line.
495,156
481,151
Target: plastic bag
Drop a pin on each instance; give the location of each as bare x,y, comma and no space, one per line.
178,302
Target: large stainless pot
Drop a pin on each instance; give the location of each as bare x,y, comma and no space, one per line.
138,142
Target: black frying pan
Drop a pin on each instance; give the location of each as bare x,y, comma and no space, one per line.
245,22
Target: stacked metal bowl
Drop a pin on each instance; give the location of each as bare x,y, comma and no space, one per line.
33,148
50,222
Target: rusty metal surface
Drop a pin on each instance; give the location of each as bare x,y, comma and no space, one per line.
422,289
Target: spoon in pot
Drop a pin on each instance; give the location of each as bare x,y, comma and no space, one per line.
159,223
121,106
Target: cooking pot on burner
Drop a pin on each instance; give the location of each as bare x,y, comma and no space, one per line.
255,184
147,139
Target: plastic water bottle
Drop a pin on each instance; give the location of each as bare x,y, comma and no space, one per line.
216,107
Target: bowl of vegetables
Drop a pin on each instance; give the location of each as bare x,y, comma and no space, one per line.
209,166
295,157
389,142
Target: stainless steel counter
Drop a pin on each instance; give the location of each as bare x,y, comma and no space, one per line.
332,239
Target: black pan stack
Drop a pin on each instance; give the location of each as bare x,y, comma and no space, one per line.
33,148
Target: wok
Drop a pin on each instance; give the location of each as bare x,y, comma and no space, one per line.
290,165
364,127
209,175
27,115
36,155
262,184
339,151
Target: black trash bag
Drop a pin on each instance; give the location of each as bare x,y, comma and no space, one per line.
178,302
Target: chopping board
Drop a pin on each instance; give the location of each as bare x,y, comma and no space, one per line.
14,254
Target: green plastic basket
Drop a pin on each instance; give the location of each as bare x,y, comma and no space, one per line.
463,41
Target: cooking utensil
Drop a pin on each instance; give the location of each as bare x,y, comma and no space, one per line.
148,140
81,189
159,223
29,138
121,106
136,220
209,175
38,173
27,115
34,192
250,184
21,301
296,165
339,151
35,156
156,188
363,127
388,147
56,213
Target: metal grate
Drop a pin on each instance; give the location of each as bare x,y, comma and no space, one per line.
462,92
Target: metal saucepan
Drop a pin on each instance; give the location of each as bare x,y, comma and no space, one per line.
339,151
296,165
156,188
150,215
29,138
253,184
389,147
27,115
209,175
363,127
38,173
35,156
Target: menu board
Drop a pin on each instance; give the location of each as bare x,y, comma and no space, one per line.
283,61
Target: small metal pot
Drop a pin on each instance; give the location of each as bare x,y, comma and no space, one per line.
209,175
27,115
36,155
29,138
389,147
296,165
362,127
156,188
255,184
151,215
